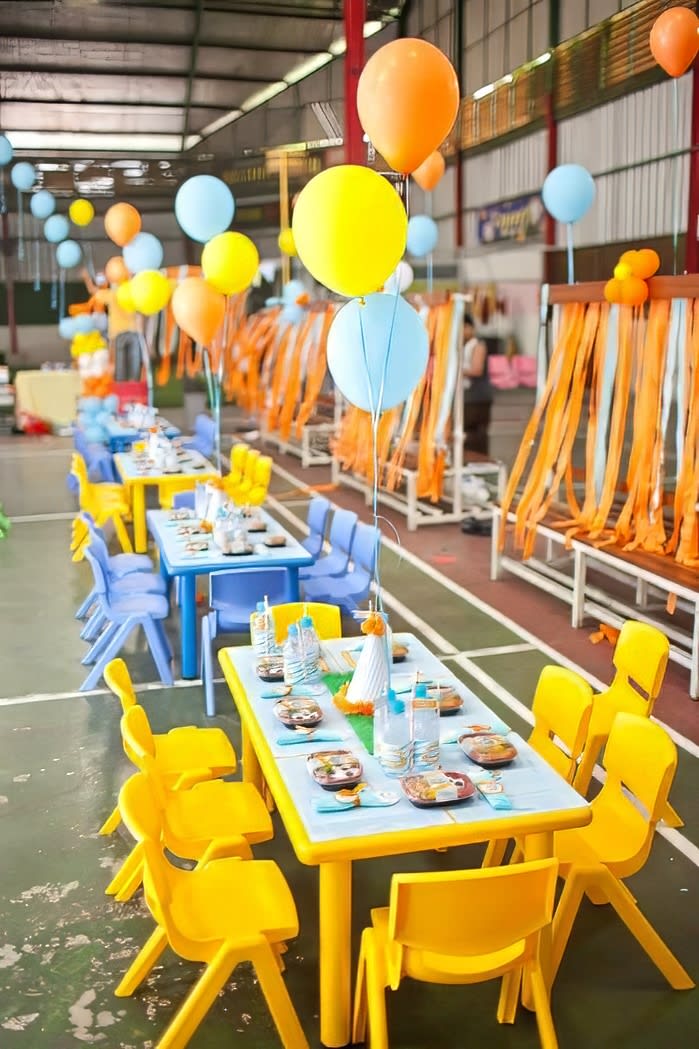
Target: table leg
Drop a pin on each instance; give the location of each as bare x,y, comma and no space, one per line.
165,576
188,624
539,847
138,509
293,584
251,766
335,952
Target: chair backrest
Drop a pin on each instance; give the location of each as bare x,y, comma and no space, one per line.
251,465
561,708
137,737
317,518
263,471
342,530
640,657
116,674
99,575
182,500
242,588
327,619
364,546
239,455
468,913
640,760
203,426
100,550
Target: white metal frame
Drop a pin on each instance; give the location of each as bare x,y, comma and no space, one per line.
312,448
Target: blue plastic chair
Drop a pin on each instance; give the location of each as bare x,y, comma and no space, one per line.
233,597
126,585
183,500
317,521
204,436
100,465
122,616
336,562
119,565
350,590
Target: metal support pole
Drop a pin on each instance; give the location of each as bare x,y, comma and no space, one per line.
9,287
355,16
551,136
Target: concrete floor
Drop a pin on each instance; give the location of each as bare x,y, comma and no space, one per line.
64,944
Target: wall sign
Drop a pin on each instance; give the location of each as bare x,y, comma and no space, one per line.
518,220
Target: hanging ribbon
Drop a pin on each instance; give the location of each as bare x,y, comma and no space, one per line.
611,351
3,199
37,257
20,226
571,257
54,279
61,293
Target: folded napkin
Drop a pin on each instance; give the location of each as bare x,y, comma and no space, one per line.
491,724
365,799
309,737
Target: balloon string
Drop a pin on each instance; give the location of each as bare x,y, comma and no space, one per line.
37,258
675,174
54,280
20,226
571,262
3,202
62,294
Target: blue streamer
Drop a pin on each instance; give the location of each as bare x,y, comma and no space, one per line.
571,262
608,373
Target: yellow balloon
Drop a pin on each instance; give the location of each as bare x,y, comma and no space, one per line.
81,212
622,270
230,262
350,229
150,291
285,240
124,297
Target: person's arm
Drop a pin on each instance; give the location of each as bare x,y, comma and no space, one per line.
478,359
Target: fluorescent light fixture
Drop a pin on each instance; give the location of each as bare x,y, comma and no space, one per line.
134,173
216,125
117,143
483,91
338,47
262,96
542,59
310,65
51,166
372,27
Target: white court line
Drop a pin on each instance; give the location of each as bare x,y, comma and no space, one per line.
681,741
150,686
499,650
64,515
35,453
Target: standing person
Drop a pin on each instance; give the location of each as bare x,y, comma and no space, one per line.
477,390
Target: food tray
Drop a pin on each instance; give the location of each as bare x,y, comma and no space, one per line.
298,710
429,790
334,769
488,749
275,540
450,702
270,668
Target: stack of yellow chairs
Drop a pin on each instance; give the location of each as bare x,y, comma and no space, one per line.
105,501
248,482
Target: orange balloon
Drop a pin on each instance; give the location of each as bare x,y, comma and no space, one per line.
674,41
430,171
121,223
647,263
612,291
198,309
116,271
634,291
407,100
630,259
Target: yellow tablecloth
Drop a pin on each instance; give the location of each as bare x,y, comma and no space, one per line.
50,395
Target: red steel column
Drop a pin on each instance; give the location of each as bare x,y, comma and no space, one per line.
551,162
355,16
691,257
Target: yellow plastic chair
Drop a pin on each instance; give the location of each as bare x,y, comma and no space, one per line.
211,818
640,659
106,502
237,492
561,709
640,761
183,756
458,927
327,619
224,912
239,456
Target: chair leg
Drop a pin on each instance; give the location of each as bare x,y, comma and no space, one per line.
277,998
509,996
112,822
671,818
160,656
206,665
115,645
94,653
200,999
542,1007
639,927
564,918
495,853
92,628
359,1011
122,534
142,963
123,875
165,640
375,994
130,886
86,605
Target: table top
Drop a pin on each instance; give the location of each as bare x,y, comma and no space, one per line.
172,548
194,466
541,799
120,428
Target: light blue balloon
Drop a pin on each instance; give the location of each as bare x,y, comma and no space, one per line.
291,291
99,321
568,192
23,176
204,207
94,434
56,229
422,235
6,151
111,404
69,254
66,327
394,339
42,204
144,252
84,322
103,417
292,313
91,405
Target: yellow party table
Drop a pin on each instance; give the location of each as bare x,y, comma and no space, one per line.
542,802
49,395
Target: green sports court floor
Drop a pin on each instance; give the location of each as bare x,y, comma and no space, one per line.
64,944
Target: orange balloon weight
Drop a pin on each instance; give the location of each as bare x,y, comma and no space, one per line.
647,263
116,271
407,100
121,223
198,309
430,171
634,291
674,41
612,291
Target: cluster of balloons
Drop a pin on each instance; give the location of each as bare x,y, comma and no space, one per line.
293,299
82,324
628,285
674,40
94,414
91,354
42,205
141,287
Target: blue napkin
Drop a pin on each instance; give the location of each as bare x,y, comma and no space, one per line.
308,737
367,799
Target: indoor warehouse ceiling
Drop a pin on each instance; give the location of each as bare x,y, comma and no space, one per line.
135,87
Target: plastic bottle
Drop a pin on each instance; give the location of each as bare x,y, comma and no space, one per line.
262,633
293,664
310,654
392,742
424,730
